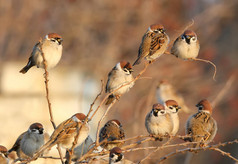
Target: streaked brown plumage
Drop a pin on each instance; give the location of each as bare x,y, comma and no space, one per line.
201,126
154,43
111,131
65,133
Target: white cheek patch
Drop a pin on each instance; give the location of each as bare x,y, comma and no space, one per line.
47,37
149,29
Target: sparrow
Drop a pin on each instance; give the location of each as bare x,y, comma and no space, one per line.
51,46
154,43
111,131
116,157
186,46
65,133
201,126
3,155
81,149
172,108
120,75
29,142
158,122
165,91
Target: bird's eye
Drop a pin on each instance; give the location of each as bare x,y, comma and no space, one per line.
183,37
170,107
53,40
33,130
162,112
156,31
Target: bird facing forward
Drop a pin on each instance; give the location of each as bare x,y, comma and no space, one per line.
111,131
51,46
158,123
186,46
172,108
154,43
201,126
120,75
29,142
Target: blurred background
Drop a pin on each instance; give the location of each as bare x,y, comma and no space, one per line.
99,34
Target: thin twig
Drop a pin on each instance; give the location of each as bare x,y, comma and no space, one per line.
211,147
135,79
99,123
158,148
207,61
91,106
224,90
48,99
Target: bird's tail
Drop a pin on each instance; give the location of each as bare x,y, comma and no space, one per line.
110,99
27,67
138,61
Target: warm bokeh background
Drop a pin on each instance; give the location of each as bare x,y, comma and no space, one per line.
97,35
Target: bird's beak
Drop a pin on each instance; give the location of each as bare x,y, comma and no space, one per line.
41,131
162,30
131,70
60,40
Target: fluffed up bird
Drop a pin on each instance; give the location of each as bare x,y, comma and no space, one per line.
172,108
65,133
165,91
120,75
158,122
112,131
51,46
201,126
29,142
3,155
186,46
154,43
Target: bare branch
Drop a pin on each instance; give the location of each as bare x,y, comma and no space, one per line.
48,99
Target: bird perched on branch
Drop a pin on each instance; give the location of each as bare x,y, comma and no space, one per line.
51,46
116,157
112,131
186,46
172,108
29,142
154,43
3,155
158,122
165,91
65,133
120,75
201,126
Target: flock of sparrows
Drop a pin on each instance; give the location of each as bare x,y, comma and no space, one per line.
161,121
